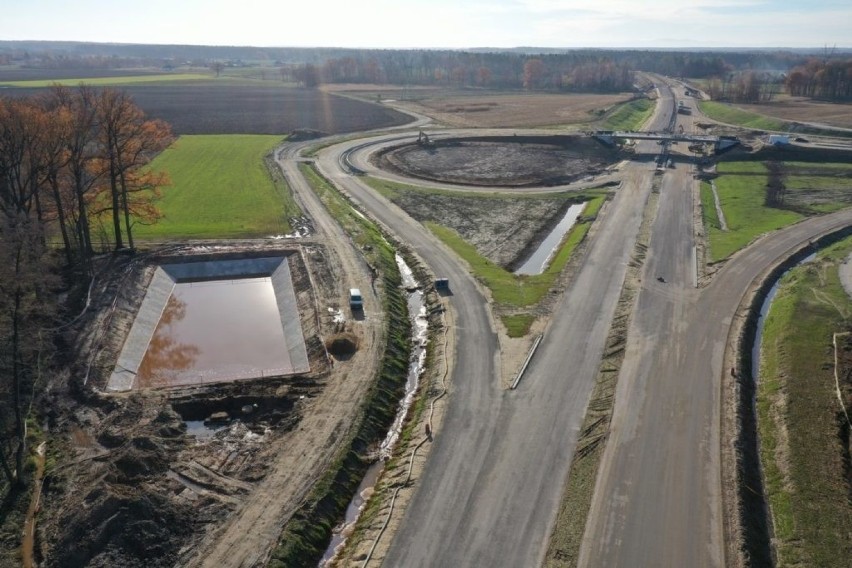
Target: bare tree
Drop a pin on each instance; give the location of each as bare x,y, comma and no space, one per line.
26,311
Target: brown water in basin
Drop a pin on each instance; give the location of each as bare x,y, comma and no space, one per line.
214,331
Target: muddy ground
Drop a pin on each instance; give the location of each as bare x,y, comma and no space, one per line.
520,161
504,229
133,487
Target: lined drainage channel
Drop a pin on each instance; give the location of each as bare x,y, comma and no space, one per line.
419,335
538,261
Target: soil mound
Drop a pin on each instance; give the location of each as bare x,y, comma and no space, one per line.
136,527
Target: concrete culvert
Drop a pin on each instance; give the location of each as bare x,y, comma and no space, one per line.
342,345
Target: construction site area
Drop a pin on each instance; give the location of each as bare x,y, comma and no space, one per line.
207,377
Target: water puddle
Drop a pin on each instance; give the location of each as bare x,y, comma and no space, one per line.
353,511
538,260
419,339
216,330
203,430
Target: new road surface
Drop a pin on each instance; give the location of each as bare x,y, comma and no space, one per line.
490,489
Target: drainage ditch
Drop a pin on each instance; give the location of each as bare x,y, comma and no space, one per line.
419,335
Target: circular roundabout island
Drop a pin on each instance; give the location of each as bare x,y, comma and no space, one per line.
499,161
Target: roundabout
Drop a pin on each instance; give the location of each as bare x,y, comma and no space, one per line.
498,161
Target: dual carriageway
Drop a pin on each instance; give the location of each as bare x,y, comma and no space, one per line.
490,489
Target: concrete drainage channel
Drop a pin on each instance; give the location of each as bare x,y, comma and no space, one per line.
419,335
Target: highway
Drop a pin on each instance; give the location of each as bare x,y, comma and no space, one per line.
658,499
491,486
490,489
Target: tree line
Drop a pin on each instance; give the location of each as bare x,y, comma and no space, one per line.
72,163
745,87
567,72
829,79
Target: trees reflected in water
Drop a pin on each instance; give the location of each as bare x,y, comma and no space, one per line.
166,357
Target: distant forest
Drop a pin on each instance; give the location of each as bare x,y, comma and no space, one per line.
747,75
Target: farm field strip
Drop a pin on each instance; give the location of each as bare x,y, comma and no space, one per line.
803,110
220,188
737,116
516,110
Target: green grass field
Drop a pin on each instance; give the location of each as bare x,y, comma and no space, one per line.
630,115
730,115
220,188
742,199
811,189
798,413
109,81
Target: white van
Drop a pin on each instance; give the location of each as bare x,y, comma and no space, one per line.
356,301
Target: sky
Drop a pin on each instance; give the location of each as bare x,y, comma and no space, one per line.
435,23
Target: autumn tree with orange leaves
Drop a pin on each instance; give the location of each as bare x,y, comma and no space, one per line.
67,159
129,143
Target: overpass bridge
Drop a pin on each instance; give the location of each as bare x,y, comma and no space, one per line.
720,143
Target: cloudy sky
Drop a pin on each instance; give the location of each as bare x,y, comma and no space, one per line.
436,23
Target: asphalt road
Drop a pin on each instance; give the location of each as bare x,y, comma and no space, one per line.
658,496
492,484
493,481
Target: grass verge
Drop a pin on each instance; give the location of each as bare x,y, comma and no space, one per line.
629,116
514,290
708,211
802,447
508,289
222,187
307,534
809,189
732,115
518,325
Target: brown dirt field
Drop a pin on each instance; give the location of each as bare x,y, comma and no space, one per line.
515,110
799,109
